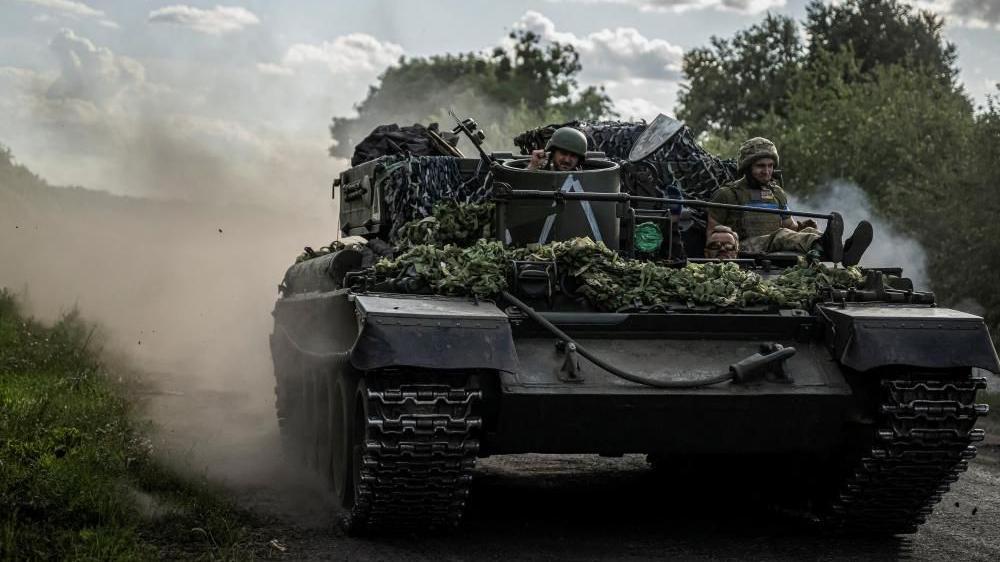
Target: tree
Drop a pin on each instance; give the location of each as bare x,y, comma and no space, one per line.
735,82
879,33
898,133
528,82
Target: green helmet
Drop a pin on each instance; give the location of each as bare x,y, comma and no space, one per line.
570,140
755,149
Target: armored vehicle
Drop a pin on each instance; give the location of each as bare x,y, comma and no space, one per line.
392,384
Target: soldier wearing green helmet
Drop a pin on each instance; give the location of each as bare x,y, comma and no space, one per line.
765,232
565,151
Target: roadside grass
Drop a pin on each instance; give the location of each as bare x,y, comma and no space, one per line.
77,477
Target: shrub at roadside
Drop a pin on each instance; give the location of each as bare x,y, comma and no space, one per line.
76,477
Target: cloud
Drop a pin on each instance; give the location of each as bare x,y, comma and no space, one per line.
91,73
274,69
218,20
355,52
679,6
68,7
174,129
612,54
71,9
637,98
981,14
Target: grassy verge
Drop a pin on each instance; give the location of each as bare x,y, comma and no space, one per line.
77,479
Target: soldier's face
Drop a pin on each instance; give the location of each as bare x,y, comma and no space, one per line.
564,161
762,170
721,245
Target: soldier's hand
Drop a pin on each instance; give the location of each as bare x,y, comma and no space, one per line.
808,223
537,159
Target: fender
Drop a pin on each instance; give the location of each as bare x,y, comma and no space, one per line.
432,332
866,336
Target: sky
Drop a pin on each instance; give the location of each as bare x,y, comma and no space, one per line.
232,101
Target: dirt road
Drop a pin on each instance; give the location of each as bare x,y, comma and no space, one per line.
539,507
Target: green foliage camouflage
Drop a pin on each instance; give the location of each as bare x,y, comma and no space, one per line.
449,223
609,281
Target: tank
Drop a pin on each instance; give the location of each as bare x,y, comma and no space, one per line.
866,399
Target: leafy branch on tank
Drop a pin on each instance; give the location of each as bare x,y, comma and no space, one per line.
438,258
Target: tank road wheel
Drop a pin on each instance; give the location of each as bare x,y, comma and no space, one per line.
307,426
340,424
920,444
321,426
288,405
413,446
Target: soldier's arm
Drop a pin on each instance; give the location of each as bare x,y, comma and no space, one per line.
786,220
537,159
789,222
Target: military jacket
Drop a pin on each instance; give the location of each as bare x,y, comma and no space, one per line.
748,224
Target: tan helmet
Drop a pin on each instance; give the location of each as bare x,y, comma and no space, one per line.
570,140
755,149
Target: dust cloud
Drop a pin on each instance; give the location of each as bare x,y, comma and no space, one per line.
183,291
890,248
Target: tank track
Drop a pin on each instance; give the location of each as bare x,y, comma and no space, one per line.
419,454
921,446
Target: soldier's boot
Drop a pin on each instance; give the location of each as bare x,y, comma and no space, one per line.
832,240
856,245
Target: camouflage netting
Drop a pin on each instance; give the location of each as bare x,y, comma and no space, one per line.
413,185
392,139
607,280
680,167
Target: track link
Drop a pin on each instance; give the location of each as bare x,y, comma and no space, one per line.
419,453
922,445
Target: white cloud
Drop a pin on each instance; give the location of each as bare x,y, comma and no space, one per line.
978,14
613,54
71,9
91,73
172,129
637,98
680,6
67,7
632,109
355,52
218,20
274,69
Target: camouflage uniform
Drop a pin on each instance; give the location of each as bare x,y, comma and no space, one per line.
783,240
760,232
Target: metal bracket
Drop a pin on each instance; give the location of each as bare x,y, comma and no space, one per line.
570,370
535,279
769,365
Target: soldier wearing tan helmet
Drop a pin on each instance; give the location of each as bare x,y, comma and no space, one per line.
767,232
565,152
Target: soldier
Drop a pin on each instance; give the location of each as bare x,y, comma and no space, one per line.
766,232
723,243
565,152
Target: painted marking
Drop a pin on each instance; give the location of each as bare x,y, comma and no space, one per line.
571,185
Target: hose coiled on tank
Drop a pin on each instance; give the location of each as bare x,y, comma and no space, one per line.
631,377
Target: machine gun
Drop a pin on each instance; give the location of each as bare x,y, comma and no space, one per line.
470,128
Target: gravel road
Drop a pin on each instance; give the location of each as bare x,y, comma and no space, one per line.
535,507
